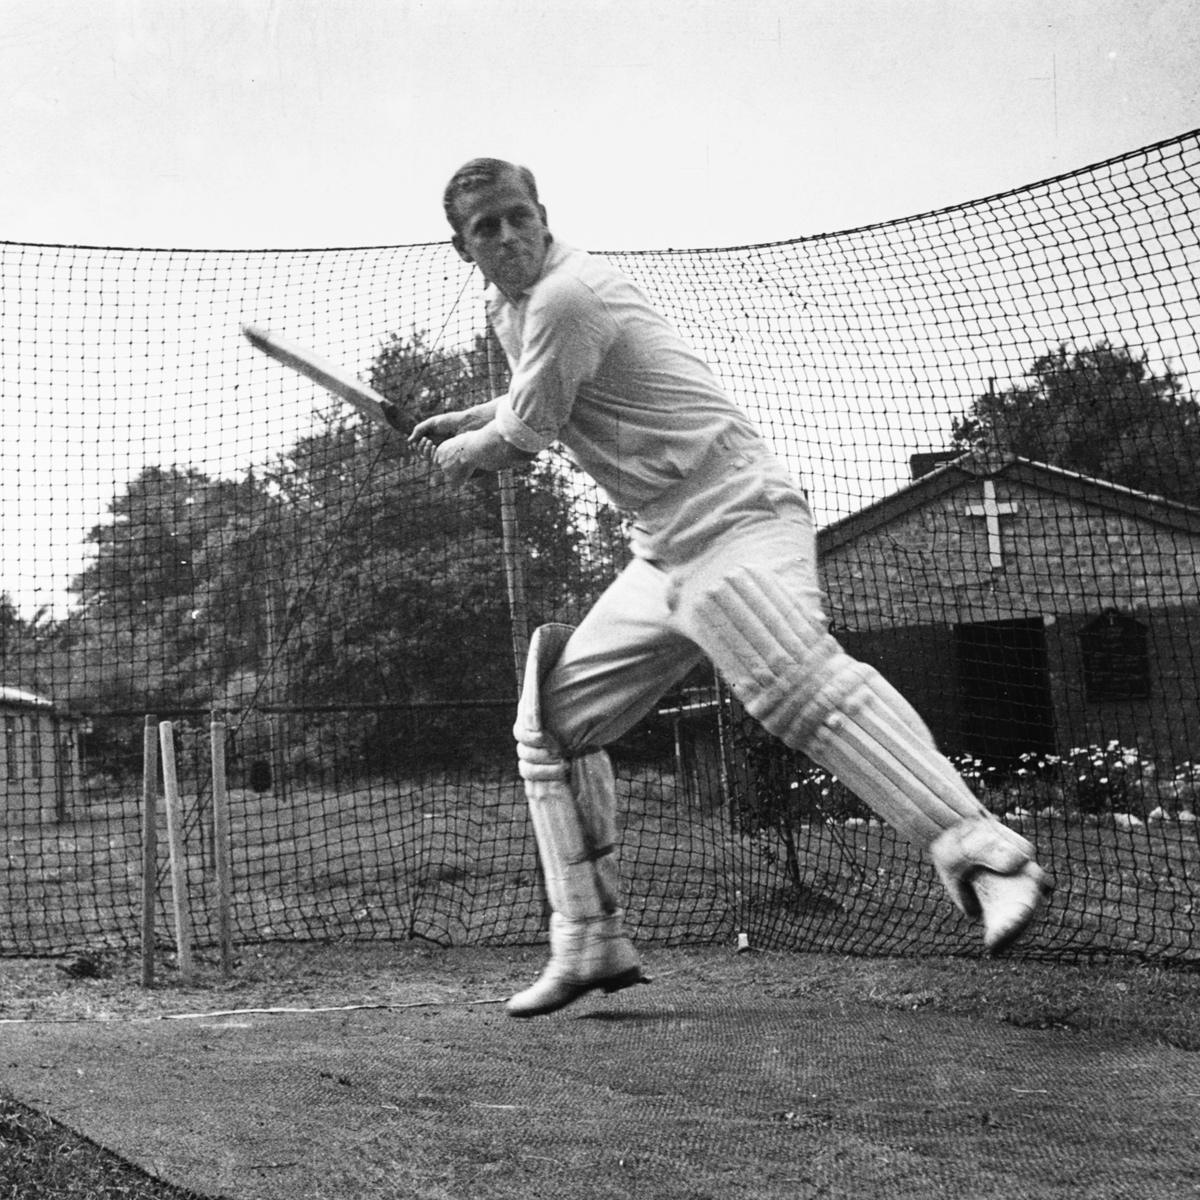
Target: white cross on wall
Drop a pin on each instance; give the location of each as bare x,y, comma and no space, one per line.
992,511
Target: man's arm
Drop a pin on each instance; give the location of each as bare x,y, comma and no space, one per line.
483,449
431,432
477,417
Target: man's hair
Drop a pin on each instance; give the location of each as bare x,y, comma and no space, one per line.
481,173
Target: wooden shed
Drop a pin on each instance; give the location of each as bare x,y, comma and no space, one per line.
40,771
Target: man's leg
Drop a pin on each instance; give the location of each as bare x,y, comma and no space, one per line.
582,689
761,623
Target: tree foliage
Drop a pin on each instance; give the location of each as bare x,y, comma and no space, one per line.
343,573
141,633
1101,412
21,643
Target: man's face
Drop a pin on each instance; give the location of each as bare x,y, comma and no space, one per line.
503,232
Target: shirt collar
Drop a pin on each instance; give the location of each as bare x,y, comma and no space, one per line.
555,253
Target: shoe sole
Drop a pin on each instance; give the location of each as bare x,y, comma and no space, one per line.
608,985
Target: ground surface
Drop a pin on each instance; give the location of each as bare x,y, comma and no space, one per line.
754,1075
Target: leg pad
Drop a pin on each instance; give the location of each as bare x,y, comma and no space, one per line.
774,649
572,803
772,644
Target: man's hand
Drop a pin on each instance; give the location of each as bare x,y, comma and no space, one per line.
459,457
427,435
476,450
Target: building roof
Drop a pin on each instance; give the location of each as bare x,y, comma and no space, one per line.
20,698
948,478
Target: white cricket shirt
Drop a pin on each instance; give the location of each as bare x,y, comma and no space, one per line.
598,369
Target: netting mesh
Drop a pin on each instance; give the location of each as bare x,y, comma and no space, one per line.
990,406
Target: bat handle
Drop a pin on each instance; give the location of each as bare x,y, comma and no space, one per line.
392,413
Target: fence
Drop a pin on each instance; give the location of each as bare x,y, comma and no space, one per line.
991,408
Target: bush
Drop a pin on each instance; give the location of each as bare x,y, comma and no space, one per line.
985,780
817,795
1185,786
1108,779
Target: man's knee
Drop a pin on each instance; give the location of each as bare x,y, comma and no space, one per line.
775,651
540,755
547,732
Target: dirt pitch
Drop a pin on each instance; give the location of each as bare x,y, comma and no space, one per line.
755,1075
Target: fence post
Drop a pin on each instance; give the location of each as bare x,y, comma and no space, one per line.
149,844
221,846
179,880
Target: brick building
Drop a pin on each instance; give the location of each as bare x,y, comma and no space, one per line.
1022,607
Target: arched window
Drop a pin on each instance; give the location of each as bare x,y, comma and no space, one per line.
1116,663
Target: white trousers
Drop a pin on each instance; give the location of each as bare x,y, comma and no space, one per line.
726,569
643,635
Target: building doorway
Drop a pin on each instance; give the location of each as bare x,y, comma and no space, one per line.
1004,687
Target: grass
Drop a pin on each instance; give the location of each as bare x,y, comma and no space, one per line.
42,1160
454,862
855,887
1133,1004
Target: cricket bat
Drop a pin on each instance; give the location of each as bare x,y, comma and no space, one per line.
328,375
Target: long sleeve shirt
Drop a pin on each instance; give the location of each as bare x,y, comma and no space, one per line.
596,368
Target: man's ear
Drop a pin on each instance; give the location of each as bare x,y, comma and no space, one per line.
460,246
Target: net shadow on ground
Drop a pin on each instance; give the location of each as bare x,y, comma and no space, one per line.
661,1092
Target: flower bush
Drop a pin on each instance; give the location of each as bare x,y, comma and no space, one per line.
1095,780
818,795
1111,780
1039,782
1108,779
982,778
1186,785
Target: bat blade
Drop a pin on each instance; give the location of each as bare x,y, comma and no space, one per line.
328,375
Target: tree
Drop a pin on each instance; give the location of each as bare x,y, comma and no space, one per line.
397,591
155,624
344,573
12,630
1101,412
23,642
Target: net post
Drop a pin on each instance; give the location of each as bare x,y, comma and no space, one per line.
221,844
179,888
514,568
275,730
514,562
149,844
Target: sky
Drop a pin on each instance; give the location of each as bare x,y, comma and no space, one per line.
650,123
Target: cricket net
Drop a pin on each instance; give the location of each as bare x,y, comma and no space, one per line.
992,409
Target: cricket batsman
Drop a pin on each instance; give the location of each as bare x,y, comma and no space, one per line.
724,567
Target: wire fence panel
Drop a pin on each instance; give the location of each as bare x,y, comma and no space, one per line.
992,409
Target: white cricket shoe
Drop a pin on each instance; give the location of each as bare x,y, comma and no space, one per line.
1009,903
585,956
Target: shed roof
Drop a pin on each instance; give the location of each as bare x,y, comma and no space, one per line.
1054,480
20,698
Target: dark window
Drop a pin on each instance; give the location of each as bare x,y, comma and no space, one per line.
1005,709
1116,663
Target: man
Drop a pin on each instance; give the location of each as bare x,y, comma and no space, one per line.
724,567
